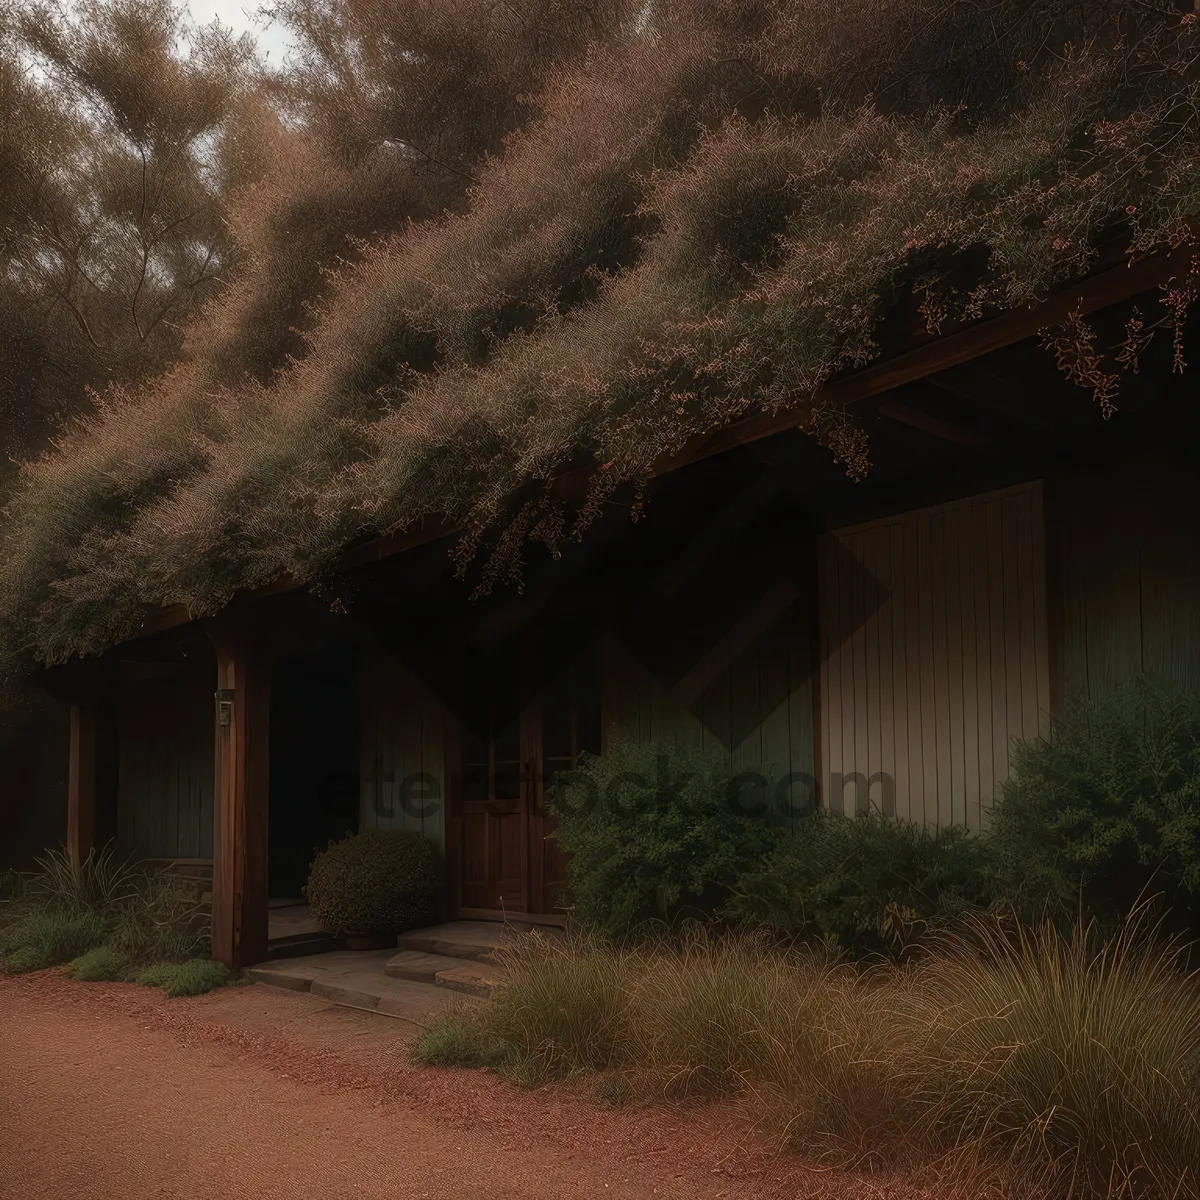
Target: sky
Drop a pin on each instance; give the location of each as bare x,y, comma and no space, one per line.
241,16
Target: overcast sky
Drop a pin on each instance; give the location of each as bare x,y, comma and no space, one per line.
239,15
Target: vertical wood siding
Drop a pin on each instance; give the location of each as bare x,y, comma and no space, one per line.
165,773
933,655
754,709
403,751
1127,567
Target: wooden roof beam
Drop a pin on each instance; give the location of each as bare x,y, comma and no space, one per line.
991,392
926,422
1088,296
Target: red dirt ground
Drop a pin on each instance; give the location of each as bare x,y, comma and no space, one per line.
111,1090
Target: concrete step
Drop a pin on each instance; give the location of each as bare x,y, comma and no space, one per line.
457,974
356,979
302,945
473,940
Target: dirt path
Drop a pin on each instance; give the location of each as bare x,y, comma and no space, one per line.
109,1090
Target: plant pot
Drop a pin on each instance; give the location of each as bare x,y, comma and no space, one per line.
370,941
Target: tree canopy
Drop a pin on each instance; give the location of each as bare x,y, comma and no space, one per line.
466,247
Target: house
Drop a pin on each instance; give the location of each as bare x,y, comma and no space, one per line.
879,643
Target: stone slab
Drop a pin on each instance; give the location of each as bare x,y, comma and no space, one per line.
475,940
348,989
415,964
359,980
473,979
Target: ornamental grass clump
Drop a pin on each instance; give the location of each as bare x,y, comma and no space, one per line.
1072,1053
101,902
374,884
1063,1065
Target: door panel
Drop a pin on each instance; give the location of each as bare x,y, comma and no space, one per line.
493,868
508,756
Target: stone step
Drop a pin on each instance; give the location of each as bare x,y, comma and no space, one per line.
356,979
302,945
476,941
457,974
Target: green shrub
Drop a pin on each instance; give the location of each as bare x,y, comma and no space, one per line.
192,978
161,919
1107,808
653,832
48,936
101,964
374,883
873,883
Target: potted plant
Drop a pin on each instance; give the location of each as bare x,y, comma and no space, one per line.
370,886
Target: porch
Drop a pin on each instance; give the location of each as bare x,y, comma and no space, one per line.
855,646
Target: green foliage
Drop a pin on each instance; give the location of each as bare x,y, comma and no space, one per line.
691,211
1060,1064
378,882
613,1091
564,1007
458,1040
72,906
192,978
98,883
871,883
12,885
653,832
44,937
1107,808
25,958
101,964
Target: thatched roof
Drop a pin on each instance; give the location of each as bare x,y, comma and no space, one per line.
707,209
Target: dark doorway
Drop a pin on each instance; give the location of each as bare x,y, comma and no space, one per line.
314,761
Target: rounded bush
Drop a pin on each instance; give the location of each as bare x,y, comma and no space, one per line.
373,884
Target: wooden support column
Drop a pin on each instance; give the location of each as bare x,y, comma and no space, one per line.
240,802
82,780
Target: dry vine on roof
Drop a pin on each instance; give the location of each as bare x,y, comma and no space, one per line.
491,244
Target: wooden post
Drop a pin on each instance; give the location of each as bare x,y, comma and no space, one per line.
240,807
81,780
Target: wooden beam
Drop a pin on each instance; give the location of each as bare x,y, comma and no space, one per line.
1107,287
241,798
1088,296
82,780
991,392
930,423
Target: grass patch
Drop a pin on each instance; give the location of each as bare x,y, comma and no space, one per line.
459,1040
44,937
192,978
1064,1059
101,964
613,1091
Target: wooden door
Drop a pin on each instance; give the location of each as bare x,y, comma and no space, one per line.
506,861
566,723
493,785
